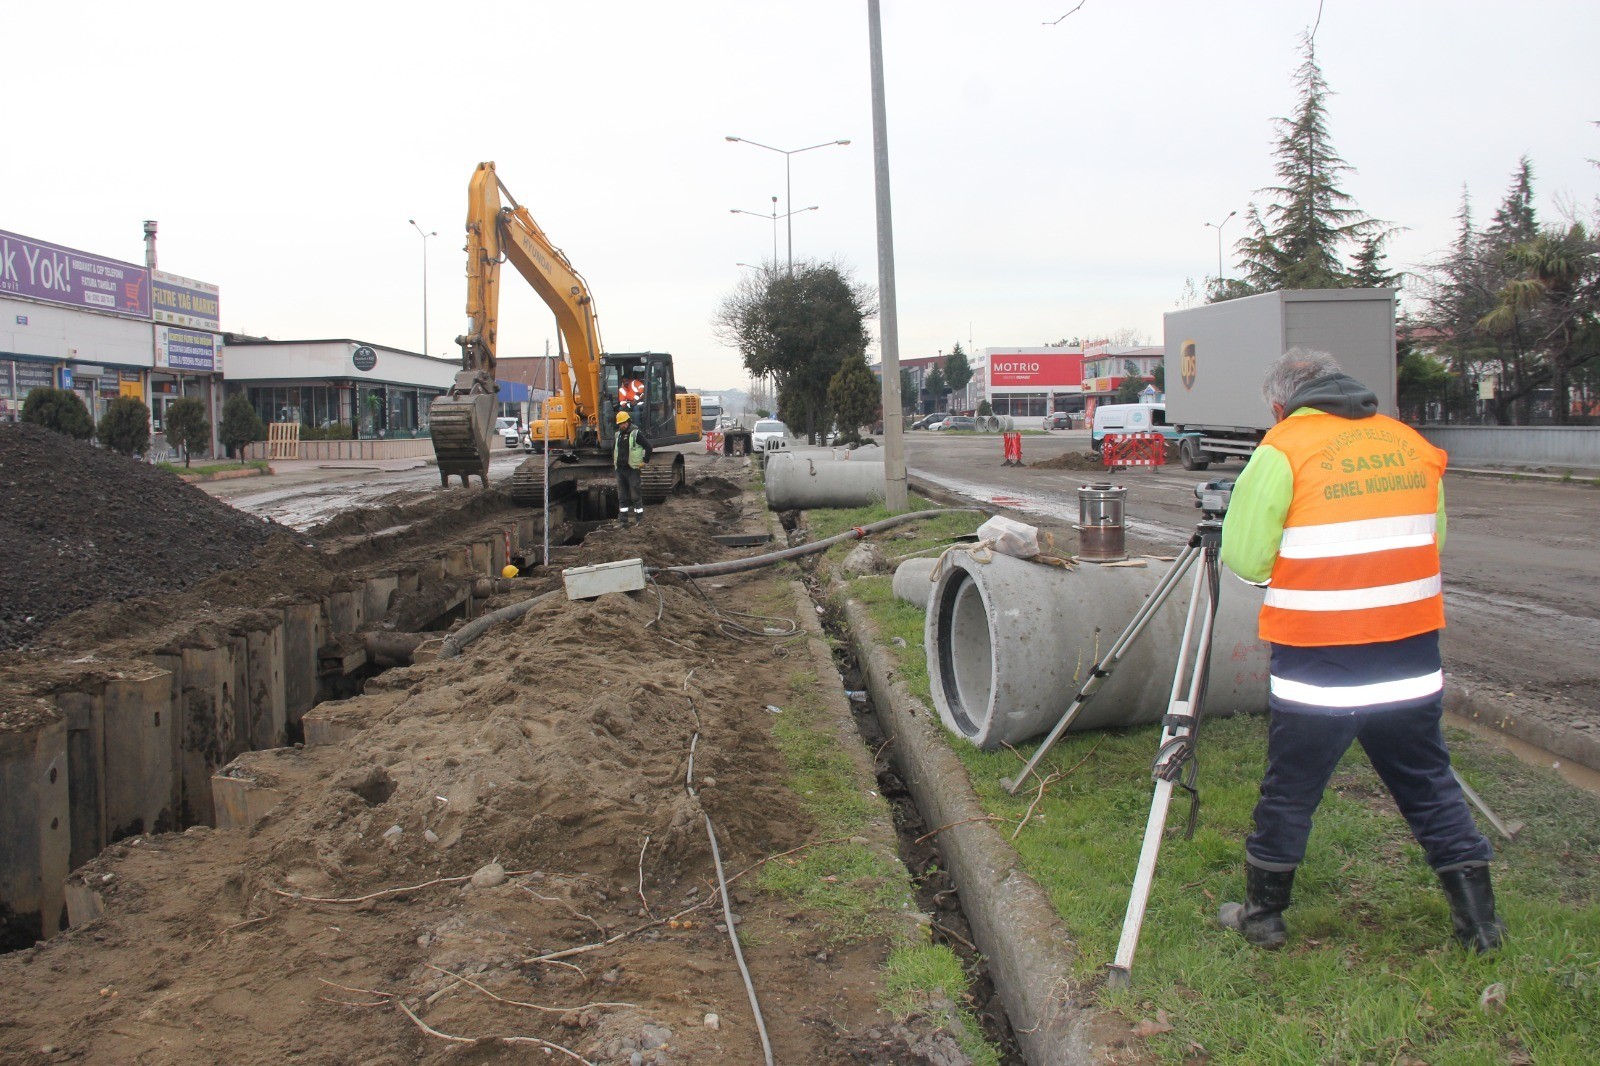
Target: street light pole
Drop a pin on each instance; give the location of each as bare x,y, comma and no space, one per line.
425,237
1218,227
774,217
788,188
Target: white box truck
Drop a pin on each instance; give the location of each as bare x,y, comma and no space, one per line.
1216,356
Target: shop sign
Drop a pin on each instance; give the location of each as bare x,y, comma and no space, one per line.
364,358
34,376
65,374
1036,370
128,384
43,271
181,301
186,349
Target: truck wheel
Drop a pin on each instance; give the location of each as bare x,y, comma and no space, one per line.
1189,454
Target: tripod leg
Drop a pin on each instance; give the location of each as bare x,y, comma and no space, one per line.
1102,670
1180,717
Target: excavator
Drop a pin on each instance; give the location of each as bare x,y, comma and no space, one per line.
579,419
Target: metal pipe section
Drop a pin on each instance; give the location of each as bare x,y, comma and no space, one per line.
1102,532
797,481
1010,643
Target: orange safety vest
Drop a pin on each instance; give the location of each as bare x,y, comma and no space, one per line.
1359,558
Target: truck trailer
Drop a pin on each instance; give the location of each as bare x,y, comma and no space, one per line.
1216,356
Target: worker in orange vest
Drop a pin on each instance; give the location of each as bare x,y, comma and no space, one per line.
1340,513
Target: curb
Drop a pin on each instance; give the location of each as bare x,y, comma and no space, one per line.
1012,919
1493,716
224,475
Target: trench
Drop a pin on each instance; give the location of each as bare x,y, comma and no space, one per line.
141,746
935,891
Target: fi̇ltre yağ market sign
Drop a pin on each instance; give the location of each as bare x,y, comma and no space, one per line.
180,301
40,270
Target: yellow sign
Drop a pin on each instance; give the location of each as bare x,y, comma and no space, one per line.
130,388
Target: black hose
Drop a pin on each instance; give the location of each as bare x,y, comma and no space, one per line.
737,566
457,641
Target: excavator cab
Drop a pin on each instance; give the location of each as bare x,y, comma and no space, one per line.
655,409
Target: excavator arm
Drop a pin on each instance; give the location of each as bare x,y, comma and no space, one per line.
496,234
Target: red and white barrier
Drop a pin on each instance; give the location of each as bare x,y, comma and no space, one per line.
1134,449
1012,445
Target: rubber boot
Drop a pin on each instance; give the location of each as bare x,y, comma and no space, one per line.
1260,917
1472,913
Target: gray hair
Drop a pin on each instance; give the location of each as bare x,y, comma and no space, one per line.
1293,370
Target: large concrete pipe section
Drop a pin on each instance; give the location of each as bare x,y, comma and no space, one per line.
1010,643
798,481
913,580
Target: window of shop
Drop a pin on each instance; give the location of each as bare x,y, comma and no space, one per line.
1021,404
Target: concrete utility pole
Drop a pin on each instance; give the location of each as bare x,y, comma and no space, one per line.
895,496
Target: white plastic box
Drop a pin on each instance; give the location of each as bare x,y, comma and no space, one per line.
587,582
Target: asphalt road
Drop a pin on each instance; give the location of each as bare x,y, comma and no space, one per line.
1520,566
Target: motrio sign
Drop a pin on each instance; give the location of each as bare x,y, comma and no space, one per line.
1049,370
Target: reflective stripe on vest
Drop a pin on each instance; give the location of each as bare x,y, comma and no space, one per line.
1349,697
1358,561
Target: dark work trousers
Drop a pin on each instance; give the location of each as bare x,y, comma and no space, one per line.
1405,747
630,495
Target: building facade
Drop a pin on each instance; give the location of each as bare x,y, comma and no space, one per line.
1029,382
1106,366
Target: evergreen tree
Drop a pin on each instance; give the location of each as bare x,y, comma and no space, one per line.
957,370
60,410
936,386
187,426
908,392
1515,221
240,424
1295,241
125,427
1367,269
853,396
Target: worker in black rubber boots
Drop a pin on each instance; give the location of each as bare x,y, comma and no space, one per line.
1340,514
629,452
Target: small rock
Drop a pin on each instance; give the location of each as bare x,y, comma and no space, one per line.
392,835
898,642
489,875
106,879
655,1036
424,940
708,782
430,836
860,842
636,1059
713,1022
1493,999
773,708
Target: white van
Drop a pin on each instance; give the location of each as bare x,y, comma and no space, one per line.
1129,418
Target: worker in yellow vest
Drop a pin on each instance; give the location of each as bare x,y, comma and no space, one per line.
629,452
1340,514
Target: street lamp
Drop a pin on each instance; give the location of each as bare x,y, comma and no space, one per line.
1218,227
788,190
425,236
774,216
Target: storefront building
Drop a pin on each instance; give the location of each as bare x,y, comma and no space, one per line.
1106,366
105,328
339,388
1029,382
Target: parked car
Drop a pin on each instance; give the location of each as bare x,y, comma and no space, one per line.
956,422
1058,420
510,429
927,421
767,429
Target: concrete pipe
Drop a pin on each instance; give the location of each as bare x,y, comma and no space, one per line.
800,482
1010,643
911,580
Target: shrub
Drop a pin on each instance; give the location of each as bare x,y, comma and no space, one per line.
60,410
125,427
187,426
240,424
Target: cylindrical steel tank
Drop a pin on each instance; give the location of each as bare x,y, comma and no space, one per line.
1102,532
1010,643
798,481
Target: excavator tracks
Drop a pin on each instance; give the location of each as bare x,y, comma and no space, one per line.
527,481
662,476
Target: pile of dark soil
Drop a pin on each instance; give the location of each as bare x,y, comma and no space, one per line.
82,526
1070,461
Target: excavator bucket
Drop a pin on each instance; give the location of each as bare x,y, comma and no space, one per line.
460,428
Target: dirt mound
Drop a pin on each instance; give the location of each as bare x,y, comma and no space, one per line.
82,526
1070,461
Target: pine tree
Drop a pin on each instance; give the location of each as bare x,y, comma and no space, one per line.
853,394
1295,241
1514,221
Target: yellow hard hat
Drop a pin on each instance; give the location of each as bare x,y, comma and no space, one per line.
622,416
510,571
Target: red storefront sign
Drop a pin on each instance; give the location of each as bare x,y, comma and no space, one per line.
1055,370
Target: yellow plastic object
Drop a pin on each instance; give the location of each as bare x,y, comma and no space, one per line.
510,571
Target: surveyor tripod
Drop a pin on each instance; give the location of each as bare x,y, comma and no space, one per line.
1175,762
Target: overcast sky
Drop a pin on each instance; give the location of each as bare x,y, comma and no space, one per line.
1049,181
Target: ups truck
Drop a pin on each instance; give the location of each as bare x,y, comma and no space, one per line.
1216,356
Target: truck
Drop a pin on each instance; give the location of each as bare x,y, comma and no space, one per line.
714,419
1216,356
